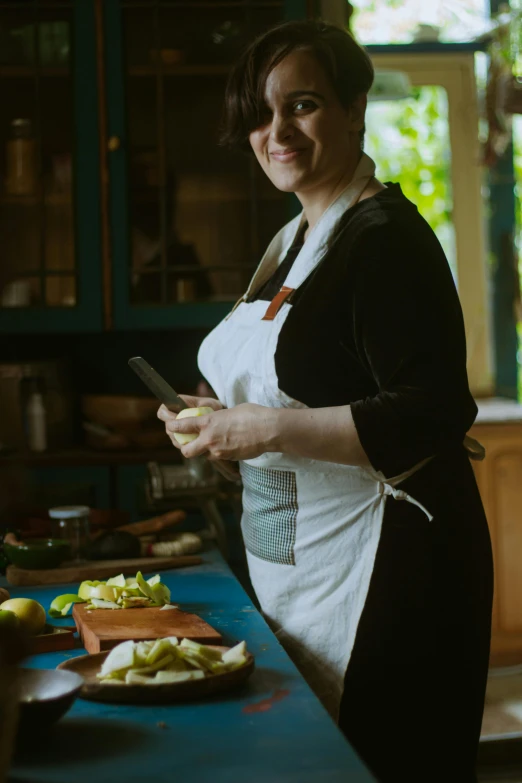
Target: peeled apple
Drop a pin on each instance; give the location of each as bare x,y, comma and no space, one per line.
183,438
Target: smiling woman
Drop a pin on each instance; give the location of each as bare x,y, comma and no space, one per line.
342,391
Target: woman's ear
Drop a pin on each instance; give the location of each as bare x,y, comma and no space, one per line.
357,112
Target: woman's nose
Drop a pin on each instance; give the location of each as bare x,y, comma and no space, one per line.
281,128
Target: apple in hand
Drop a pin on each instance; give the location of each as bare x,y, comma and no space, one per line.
181,438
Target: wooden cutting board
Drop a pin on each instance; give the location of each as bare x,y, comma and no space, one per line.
102,629
96,569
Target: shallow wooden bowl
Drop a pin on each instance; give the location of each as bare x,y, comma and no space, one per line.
120,412
88,666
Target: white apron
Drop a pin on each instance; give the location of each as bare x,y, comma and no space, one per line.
311,529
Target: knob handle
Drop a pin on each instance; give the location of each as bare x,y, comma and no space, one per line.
114,143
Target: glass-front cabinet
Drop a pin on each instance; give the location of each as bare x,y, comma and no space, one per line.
118,209
45,178
192,220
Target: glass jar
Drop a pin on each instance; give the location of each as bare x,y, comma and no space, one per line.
21,163
71,523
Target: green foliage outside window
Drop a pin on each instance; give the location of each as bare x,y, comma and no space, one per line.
409,141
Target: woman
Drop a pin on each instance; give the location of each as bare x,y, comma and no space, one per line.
341,377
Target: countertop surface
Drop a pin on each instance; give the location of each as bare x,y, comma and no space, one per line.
498,410
271,730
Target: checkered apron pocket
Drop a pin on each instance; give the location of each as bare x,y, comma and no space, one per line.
269,513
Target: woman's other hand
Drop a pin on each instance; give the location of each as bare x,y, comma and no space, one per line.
193,402
242,432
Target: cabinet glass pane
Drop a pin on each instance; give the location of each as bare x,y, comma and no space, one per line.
410,143
36,144
200,217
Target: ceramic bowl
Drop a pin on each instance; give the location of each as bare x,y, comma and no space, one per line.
38,553
45,696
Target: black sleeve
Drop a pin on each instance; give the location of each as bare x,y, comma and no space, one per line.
408,332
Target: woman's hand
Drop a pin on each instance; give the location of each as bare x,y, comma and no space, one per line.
243,432
199,402
193,402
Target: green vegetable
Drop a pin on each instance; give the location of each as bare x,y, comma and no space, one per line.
62,603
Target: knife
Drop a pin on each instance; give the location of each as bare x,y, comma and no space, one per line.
166,394
157,385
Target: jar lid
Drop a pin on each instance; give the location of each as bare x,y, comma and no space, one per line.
68,512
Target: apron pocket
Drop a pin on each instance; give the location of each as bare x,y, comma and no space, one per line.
269,522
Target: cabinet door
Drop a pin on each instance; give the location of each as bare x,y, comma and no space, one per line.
49,188
499,478
189,220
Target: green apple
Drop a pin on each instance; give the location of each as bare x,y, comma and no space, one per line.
8,619
30,613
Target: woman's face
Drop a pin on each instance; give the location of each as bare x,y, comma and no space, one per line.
309,139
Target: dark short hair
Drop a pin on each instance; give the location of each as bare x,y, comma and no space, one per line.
347,66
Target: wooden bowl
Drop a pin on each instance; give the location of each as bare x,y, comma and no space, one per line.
119,412
88,666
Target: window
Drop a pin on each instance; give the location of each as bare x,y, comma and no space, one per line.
429,142
396,21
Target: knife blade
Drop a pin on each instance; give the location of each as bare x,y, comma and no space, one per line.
157,385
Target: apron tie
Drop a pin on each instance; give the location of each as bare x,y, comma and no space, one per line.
400,494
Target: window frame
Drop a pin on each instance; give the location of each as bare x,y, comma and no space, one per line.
455,72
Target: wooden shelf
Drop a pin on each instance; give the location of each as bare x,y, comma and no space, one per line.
179,70
236,4
27,71
78,457
49,199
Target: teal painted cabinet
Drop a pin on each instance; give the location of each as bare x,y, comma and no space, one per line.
50,268
118,208
189,220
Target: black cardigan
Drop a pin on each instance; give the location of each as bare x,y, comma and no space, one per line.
378,325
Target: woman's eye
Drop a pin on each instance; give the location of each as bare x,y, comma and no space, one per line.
304,106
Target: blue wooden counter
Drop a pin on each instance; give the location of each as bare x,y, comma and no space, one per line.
272,730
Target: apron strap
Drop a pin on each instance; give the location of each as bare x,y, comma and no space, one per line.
400,494
475,449
277,302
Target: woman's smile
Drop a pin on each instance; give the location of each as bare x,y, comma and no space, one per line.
307,142
288,155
